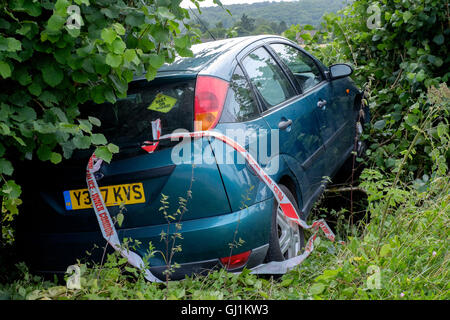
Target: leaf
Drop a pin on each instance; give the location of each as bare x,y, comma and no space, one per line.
184,52
182,42
164,13
385,250
11,189
317,288
52,75
407,15
113,148
85,125
119,28
14,44
55,157
130,56
6,167
287,282
98,138
120,219
108,35
439,39
156,61
135,19
113,60
95,121
379,125
35,88
82,142
5,70
103,153
118,46
80,77
55,24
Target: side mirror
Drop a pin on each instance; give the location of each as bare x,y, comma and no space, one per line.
340,70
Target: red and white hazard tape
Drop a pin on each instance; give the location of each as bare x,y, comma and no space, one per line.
110,234
105,222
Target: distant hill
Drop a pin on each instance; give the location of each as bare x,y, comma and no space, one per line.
295,12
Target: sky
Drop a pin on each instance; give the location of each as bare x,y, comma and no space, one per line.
208,3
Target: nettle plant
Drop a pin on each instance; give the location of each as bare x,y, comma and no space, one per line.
56,55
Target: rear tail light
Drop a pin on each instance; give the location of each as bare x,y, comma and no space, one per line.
236,261
210,94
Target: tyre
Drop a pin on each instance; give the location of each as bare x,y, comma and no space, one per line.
286,237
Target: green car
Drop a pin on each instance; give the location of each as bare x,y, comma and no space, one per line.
302,114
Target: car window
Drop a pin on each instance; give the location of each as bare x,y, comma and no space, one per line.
268,78
240,105
305,70
129,119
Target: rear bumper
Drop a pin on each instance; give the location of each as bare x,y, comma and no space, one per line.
204,242
203,267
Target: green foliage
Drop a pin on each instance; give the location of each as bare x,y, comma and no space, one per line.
397,62
49,66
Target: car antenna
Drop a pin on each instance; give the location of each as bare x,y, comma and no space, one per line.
204,26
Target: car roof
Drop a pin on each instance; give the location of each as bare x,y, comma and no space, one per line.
211,58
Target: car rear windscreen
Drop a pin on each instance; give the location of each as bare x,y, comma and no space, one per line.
128,120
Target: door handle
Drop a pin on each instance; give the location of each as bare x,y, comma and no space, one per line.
321,103
284,124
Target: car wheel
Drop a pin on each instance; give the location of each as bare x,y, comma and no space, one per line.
286,237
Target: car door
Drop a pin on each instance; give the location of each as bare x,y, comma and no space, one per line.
284,109
311,82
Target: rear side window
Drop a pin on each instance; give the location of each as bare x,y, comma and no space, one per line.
268,78
305,70
240,105
129,119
